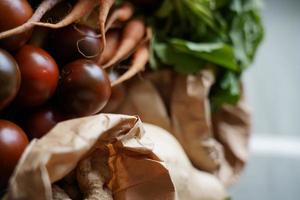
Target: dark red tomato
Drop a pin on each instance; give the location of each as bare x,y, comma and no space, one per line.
84,89
75,42
42,121
13,141
117,95
12,14
39,74
10,78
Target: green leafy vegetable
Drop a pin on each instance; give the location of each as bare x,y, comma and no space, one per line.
246,31
189,34
227,90
182,62
218,52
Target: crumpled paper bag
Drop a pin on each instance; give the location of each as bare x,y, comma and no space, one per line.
214,142
190,183
136,172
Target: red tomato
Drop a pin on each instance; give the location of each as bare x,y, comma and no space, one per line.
74,42
13,141
42,121
39,75
84,89
14,13
10,78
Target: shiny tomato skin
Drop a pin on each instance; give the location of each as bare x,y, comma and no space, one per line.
14,13
74,42
13,141
10,78
39,75
84,88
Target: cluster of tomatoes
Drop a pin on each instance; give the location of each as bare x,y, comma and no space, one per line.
44,79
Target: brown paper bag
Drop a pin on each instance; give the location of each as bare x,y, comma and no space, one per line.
232,129
135,171
190,183
180,105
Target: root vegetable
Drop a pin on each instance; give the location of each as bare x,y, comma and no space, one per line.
81,8
14,14
140,59
112,40
121,14
45,6
132,35
104,8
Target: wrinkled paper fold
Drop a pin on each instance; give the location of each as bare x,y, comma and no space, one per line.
215,142
136,172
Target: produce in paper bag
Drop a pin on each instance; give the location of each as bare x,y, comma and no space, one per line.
110,157
130,170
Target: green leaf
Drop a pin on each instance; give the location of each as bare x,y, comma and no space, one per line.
217,53
246,31
182,62
226,90
192,33
200,13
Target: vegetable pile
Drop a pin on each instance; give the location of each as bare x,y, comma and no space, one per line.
55,64
63,59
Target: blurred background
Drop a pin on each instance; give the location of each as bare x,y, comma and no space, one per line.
273,91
